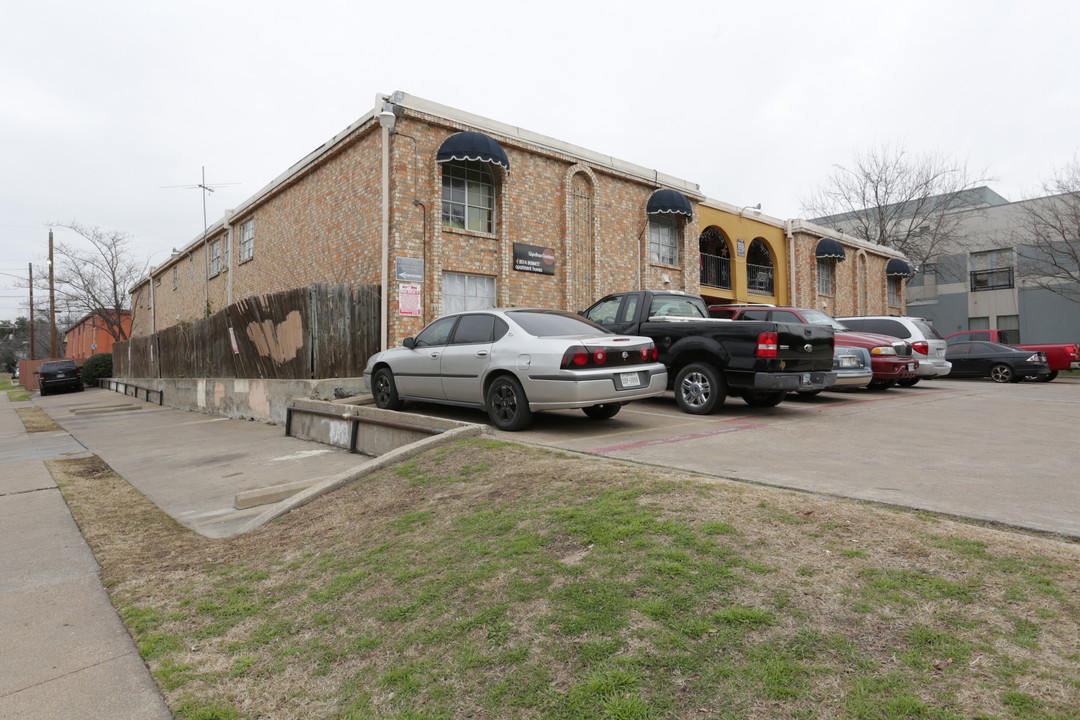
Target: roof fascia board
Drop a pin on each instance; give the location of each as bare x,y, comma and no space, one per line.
650,177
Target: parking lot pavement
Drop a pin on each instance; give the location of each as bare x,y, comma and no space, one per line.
972,448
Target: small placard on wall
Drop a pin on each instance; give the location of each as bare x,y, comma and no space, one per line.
409,299
533,258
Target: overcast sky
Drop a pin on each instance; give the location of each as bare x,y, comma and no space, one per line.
103,104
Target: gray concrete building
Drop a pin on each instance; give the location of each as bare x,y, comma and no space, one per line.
990,283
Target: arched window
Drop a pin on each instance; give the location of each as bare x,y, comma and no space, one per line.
715,251
759,268
468,196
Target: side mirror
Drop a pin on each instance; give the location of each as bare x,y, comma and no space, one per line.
35,372
409,342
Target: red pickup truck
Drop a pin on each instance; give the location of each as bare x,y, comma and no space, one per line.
1059,356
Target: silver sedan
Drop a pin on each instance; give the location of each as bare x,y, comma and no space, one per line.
513,362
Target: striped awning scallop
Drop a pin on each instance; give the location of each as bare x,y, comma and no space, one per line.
829,249
669,201
470,145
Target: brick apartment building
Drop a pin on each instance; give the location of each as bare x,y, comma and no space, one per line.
91,335
445,210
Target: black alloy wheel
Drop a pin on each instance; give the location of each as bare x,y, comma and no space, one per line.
507,406
384,389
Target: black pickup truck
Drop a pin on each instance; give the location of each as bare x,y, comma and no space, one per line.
709,359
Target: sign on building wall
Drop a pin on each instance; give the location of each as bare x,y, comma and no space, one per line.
740,246
409,299
409,269
533,258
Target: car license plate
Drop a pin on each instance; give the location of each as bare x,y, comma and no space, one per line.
806,379
911,367
59,375
630,379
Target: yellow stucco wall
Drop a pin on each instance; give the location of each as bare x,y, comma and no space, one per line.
740,231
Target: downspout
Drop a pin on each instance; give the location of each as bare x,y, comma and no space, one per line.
385,310
792,286
229,246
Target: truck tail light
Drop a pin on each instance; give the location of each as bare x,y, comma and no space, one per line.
767,345
921,346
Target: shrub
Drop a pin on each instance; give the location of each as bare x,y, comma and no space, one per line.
97,366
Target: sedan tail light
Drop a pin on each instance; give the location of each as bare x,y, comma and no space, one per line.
579,357
1037,358
768,343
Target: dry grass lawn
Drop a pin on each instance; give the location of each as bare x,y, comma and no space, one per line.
489,580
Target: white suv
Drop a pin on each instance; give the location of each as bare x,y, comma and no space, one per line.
927,345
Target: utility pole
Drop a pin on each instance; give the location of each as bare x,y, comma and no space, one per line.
31,265
52,302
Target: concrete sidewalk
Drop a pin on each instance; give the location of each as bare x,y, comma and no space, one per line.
65,652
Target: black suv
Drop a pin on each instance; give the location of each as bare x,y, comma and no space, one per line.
58,375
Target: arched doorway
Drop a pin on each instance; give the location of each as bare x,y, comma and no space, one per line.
714,250
759,268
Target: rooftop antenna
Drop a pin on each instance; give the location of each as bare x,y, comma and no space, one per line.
206,256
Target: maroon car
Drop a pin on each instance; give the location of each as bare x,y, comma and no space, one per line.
890,358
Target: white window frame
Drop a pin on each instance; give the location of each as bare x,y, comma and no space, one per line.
215,259
664,235
468,196
461,291
247,240
825,276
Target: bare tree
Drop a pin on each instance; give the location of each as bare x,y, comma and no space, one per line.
94,281
897,200
1047,238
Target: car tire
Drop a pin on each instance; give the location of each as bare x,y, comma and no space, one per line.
877,385
80,388
763,399
384,389
699,389
41,392
910,382
1002,373
602,412
507,406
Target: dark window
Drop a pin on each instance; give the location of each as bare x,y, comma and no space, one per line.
961,348
474,329
437,333
551,323
785,316
754,315
605,311
880,326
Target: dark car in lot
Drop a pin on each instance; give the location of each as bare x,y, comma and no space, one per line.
890,358
1000,363
59,375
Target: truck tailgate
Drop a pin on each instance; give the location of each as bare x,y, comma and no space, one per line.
803,348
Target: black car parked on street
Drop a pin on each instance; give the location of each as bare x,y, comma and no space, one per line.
59,375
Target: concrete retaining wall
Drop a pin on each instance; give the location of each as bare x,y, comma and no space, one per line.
264,400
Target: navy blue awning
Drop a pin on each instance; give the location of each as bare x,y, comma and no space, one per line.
898,268
471,145
829,249
669,201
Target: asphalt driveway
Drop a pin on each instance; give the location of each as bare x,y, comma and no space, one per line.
973,448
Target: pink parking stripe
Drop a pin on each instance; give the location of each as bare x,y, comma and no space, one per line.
676,438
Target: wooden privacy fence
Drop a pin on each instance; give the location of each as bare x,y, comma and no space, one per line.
321,331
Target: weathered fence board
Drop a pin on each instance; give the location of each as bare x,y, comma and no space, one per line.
319,331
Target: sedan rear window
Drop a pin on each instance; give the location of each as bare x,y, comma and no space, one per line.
57,365
552,323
